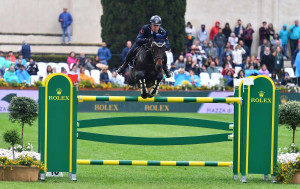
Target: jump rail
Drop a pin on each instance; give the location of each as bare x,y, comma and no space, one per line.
155,163
238,100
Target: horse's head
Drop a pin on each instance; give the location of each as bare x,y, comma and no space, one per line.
158,48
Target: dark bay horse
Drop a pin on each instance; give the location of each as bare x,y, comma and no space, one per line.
148,67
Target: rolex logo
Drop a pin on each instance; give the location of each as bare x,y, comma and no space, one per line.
58,91
261,94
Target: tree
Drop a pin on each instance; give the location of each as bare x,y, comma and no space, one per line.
289,114
12,137
122,20
23,110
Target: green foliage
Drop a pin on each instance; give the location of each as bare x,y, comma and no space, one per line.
122,20
289,114
38,83
50,58
23,110
85,84
12,137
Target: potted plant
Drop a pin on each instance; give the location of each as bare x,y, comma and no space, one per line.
288,166
12,137
23,110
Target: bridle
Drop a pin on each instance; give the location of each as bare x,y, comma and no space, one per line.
159,54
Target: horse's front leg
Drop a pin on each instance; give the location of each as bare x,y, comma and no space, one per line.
140,77
155,87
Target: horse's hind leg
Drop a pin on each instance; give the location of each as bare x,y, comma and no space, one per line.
155,87
140,77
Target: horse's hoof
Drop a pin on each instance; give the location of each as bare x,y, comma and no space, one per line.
144,95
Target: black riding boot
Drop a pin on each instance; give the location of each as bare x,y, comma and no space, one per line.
121,70
165,67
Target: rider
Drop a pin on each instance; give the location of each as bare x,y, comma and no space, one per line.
144,36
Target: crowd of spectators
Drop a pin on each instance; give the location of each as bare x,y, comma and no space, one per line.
230,51
226,51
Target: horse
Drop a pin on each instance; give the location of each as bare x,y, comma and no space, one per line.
148,66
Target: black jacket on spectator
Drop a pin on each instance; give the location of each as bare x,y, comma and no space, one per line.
32,69
286,81
247,52
268,61
104,77
26,52
226,32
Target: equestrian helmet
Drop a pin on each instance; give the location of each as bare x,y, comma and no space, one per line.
155,20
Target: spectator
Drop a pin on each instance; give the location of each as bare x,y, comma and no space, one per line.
276,41
277,44
202,34
8,62
267,59
297,68
294,54
12,56
63,70
194,79
214,30
170,58
66,20
198,47
89,65
190,33
211,51
262,47
201,58
248,36
23,75
227,52
204,46
247,63
226,69
254,62
229,77
180,76
262,32
241,74
104,76
84,77
264,70
104,54
274,79
10,75
220,41
228,60
247,51
71,59
278,62
270,32
226,31
233,40
32,68
203,69
18,64
180,63
23,61
239,30
195,67
115,79
99,64
212,69
75,70
25,50
251,71
81,59
173,68
54,69
2,59
286,80
189,62
294,36
2,71
49,70
125,50
237,56
284,36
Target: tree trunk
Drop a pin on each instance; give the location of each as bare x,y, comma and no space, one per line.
294,136
22,134
13,151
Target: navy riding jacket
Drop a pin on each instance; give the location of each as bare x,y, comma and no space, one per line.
146,32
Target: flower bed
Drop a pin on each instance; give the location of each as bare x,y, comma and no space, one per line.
8,154
287,165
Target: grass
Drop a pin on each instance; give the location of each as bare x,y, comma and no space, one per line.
149,177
